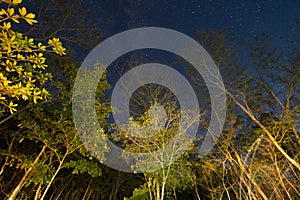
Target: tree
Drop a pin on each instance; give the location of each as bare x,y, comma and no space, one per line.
257,157
156,110
42,156
47,126
22,60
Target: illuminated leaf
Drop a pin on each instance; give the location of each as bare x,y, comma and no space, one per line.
7,25
30,15
22,11
30,21
16,2
11,11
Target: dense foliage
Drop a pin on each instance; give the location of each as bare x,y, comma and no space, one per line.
42,156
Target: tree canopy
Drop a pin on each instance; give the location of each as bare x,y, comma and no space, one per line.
43,157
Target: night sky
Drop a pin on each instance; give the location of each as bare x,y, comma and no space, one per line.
245,18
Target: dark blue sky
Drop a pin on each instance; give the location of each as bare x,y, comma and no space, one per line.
245,18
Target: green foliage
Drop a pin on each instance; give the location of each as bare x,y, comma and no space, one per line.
244,165
140,193
174,173
41,174
84,166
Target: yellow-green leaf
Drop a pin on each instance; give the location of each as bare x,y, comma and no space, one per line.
7,25
11,11
3,12
30,21
22,11
15,18
30,15
16,2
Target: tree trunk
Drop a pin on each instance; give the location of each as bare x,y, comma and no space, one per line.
197,192
87,190
27,173
163,190
38,191
6,159
257,122
53,177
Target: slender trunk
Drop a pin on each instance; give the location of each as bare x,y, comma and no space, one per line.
90,193
54,176
64,187
244,171
38,191
149,189
27,173
157,191
257,122
197,193
163,190
3,166
118,183
174,193
6,159
87,190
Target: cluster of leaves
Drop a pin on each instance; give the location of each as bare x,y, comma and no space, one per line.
141,193
256,158
23,59
41,136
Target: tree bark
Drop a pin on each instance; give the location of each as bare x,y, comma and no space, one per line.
257,122
25,176
53,177
38,191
